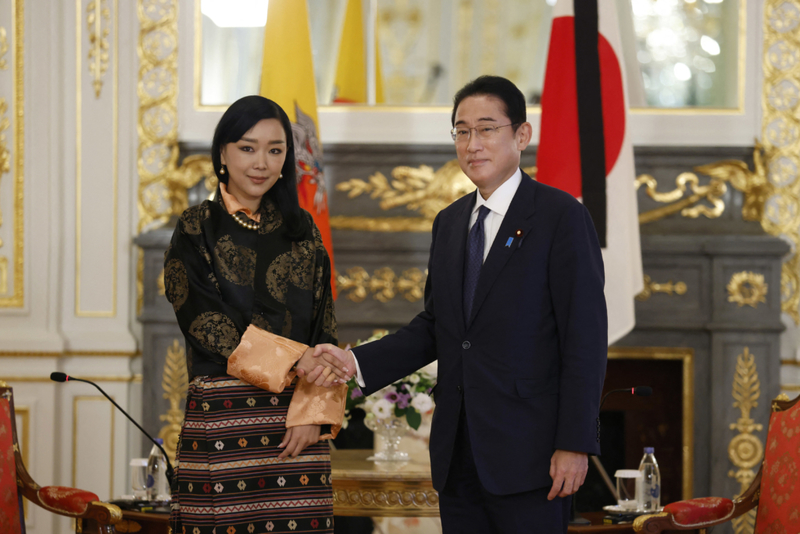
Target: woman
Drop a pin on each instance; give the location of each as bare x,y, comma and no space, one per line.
243,272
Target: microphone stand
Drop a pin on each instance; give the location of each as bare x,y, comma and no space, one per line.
170,472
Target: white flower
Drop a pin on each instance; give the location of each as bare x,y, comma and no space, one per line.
368,404
422,402
382,409
414,379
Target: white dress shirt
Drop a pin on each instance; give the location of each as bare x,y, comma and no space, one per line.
498,204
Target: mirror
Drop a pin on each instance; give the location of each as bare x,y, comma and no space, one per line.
678,53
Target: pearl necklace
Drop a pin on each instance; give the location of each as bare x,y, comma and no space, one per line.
245,223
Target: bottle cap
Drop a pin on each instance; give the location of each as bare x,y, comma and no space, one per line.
648,450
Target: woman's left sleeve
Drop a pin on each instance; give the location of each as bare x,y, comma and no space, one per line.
312,404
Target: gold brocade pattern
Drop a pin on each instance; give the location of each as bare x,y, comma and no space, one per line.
329,325
295,268
745,450
192,219
781,138
215,332
236,263
271,219
176,283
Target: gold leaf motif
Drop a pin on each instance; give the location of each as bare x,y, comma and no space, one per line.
97,13
745,450
747,288
669,288
175,382
3,48
384,285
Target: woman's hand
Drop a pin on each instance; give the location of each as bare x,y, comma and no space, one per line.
325,368
297,439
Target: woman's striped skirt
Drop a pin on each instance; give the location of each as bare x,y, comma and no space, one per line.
229,477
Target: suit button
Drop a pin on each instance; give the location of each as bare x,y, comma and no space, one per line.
466,345
459,389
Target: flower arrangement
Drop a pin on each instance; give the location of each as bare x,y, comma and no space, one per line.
407,398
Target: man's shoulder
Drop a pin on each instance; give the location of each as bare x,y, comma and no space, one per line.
553,198
457,207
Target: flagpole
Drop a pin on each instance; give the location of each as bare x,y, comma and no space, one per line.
372,43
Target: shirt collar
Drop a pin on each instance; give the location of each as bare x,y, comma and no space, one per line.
501,199
232,205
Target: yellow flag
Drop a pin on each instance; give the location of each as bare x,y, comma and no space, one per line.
287,77
351,68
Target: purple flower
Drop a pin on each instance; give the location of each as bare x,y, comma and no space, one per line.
392,397
356,393
403,400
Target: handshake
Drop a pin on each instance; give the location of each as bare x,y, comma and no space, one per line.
326,365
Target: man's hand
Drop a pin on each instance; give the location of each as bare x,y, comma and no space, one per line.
331,355
568,471
315,370
297,439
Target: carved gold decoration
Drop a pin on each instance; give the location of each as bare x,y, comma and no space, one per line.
128,525
160,286
782,397
745,450
3,49
781,138
395,502
747,288
384,285
175,382
96,13
753,184
14,295
157,154
420,189
669,288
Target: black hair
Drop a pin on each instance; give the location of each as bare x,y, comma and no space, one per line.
235,122
501,88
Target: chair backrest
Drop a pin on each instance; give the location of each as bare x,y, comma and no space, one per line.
778,504
10,497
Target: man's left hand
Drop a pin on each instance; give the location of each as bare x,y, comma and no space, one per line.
568,471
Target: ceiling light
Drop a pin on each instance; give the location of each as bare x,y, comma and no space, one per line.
236,13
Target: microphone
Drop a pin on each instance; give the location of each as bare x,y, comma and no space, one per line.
63,377
641,391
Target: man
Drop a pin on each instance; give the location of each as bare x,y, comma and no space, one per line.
516,316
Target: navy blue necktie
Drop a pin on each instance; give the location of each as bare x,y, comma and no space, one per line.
474,261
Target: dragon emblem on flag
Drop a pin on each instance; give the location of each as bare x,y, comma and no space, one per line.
308,156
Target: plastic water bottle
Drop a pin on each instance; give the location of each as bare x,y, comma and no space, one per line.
650,483
156,474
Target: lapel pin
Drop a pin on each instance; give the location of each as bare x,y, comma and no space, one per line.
518,233
510,240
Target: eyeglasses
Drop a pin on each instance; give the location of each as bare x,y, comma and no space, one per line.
461,134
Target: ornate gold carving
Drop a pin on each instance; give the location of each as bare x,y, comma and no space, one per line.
161,288
781,138
16,297
384,285
747,288
175,382
157,153
669,288
420,189
3,49
782,397
422,502
128,525
96,12
745,450
753,184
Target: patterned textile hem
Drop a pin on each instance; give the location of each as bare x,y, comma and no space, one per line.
229,478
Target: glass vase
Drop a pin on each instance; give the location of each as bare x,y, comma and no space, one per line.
390,430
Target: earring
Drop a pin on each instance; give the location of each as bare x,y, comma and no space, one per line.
222,169
281,176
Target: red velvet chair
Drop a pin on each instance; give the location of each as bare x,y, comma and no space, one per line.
15,483
774,490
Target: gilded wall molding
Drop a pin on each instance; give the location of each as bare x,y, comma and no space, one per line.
175,382
668,288
12,268
97,15
747,288
781,137
745,450
384,285
157,153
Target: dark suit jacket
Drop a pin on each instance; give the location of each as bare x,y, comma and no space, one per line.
530,364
